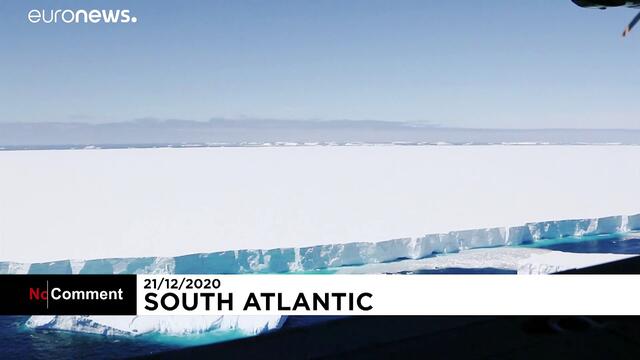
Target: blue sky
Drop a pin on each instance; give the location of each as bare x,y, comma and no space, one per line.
472,63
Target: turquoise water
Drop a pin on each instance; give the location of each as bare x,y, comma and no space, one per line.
628,243
16,340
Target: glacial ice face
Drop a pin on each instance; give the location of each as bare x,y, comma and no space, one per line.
564,228
633,222
171,325
335,255
519,235
309,258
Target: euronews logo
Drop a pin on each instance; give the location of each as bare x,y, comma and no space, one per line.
94,16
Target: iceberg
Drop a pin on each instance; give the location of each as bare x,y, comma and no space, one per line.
169,325
335,255
379,256
520,260
505,258
139,203
555,261
292,209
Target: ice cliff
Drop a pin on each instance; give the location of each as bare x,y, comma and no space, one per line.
335,255
299,259
172,325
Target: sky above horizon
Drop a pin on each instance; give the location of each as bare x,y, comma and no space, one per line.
472,63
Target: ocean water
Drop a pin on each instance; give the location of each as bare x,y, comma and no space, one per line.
19,342
613,244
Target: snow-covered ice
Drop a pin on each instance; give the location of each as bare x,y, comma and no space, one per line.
278,209
134,203
523,260
555,261
502,258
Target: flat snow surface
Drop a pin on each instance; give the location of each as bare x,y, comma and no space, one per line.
85,204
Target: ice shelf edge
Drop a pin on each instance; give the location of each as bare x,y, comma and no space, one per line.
334,255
